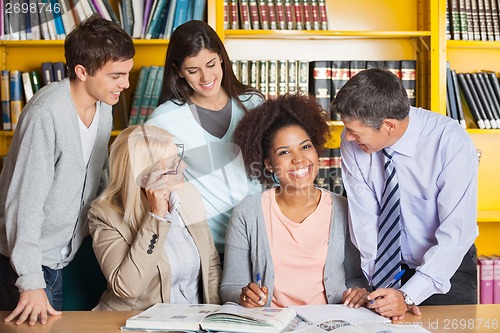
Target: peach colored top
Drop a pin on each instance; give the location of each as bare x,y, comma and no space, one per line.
298,251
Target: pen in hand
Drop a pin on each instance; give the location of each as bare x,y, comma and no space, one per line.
392,283
258,280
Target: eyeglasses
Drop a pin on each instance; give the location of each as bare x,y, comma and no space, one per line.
174,168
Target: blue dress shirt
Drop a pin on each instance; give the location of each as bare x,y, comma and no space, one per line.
436,165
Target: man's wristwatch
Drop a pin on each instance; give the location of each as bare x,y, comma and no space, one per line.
409,303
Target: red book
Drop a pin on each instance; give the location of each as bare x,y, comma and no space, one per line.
233,17
306,11
485,280
323,18
244,15
254,14
297,9
280,15
264,18
315,14
226,15
288,14
271,14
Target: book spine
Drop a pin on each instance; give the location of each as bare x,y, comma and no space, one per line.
454,15
375,64
486,280
321,83
289,14
491,99
323,17
475,19
340,75
233,17
488,117
244,15
28,88
322,179
356,66
155,96
5,96
272,79
495,17
59,71
263,14
460,110
148,92
271,12
282,77
226,14
315,14
336,184
297,9
409,79
292,76
453,113
469,99
481,116
306,14
280,15
244,74
235,66
16,97
47,73
496,88
464,29
36,83
303,77
137,98
254,74
482,20
254,14
496,279
470,23
489,20
263,77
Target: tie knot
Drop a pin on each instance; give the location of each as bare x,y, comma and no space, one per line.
388,153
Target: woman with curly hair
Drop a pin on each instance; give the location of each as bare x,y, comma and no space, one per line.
293,228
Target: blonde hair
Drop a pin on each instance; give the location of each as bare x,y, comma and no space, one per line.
134,150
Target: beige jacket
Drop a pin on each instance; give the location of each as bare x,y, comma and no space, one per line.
138,279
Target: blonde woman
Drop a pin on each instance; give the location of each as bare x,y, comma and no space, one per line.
150,235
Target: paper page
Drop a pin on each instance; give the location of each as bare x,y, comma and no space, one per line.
317,314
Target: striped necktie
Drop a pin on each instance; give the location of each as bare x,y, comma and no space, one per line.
388,261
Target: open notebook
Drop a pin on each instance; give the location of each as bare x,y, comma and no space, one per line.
229,317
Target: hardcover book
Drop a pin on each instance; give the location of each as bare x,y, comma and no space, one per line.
5,97
486,280
409,79
488,116
229,317
321,83
470,99
456,90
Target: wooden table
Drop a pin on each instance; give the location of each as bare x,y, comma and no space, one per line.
449,319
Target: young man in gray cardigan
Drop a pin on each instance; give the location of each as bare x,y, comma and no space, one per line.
54,169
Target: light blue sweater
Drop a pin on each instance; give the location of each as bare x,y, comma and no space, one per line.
46,189
248,253
214,165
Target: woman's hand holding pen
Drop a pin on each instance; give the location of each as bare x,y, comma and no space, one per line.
252,296
354,297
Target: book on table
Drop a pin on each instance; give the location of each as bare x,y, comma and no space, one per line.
229,317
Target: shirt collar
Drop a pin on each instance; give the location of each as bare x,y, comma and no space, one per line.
407,144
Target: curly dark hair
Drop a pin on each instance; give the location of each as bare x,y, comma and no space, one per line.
255,132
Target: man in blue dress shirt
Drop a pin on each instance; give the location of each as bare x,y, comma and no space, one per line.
436,168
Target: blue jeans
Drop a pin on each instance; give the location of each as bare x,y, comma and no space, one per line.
9,294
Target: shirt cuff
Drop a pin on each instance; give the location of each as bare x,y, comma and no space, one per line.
160,218
419,288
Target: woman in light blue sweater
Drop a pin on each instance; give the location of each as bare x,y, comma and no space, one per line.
289,245
201,104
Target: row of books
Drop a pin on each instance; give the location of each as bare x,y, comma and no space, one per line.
156,19
489,279
321,78
330,171
146,95
477,94
473,20
275,15
54,19
18,87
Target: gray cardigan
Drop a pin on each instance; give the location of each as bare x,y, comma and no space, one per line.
247,253
46,187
